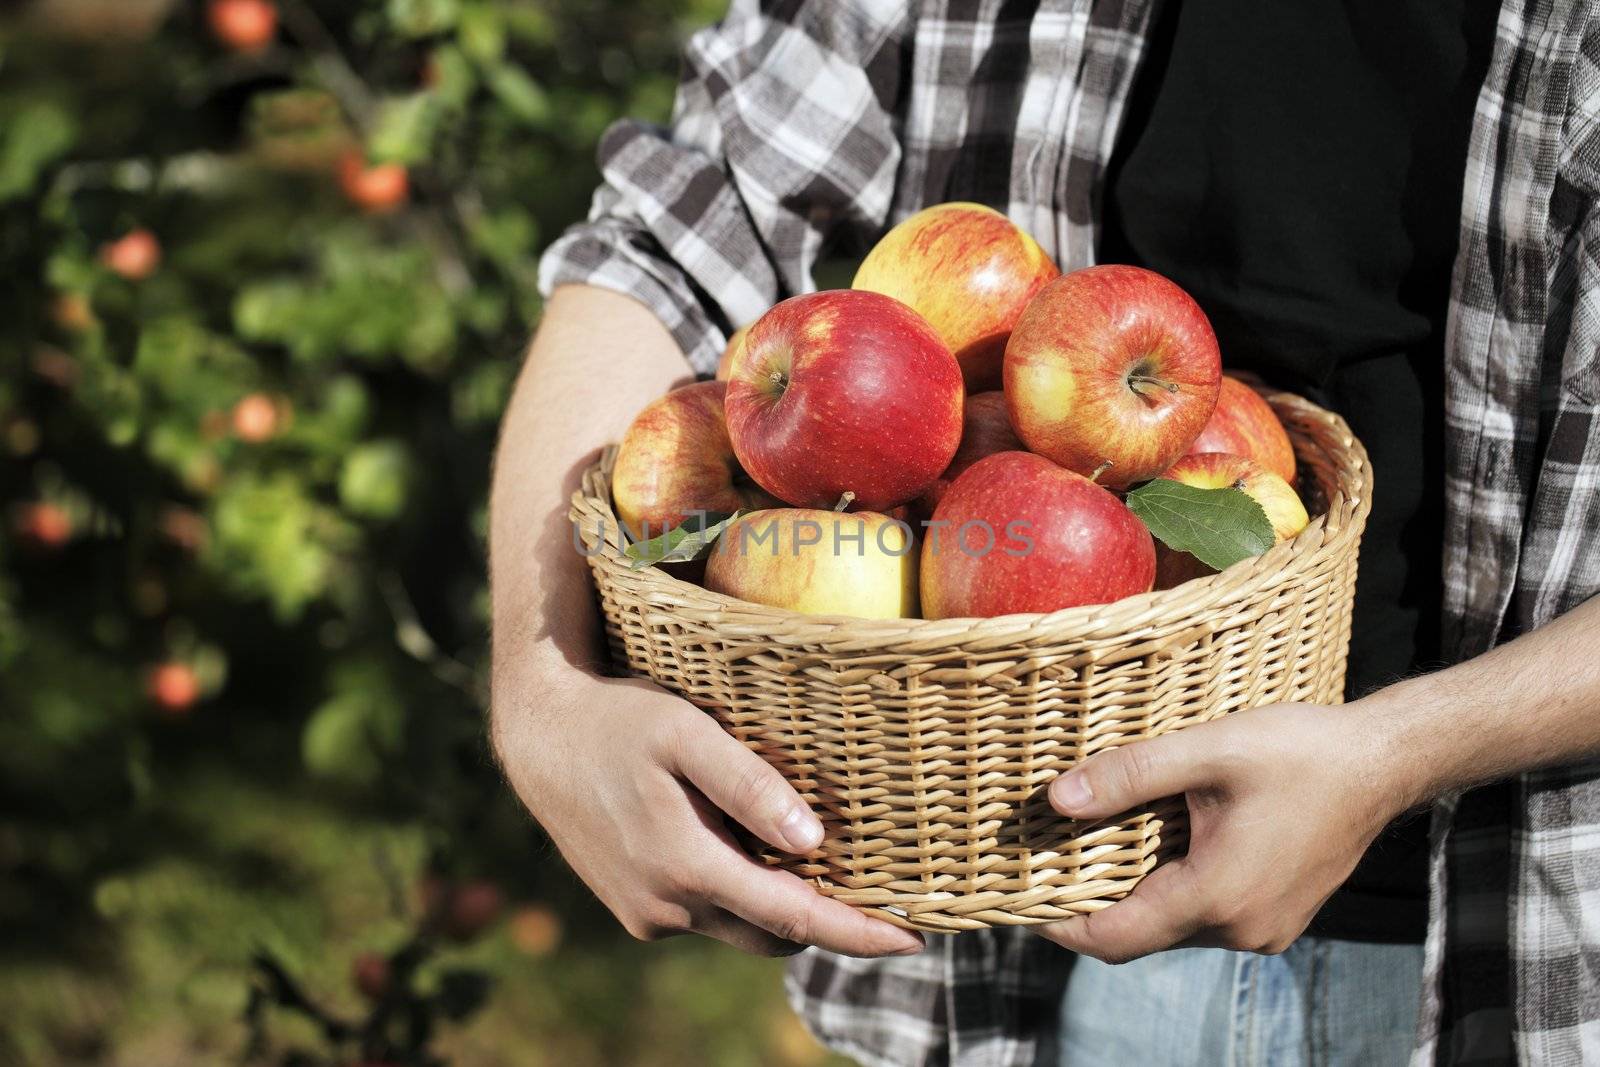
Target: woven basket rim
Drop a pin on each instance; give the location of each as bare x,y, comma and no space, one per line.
1324,444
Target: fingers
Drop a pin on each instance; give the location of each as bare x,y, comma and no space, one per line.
740,783
1161,912
1122,778
792,911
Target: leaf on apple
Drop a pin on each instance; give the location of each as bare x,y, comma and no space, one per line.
1219,527
682,543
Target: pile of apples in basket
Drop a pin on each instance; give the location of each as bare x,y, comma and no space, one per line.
964,432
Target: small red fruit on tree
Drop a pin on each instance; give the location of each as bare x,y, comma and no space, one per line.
247,26
375,188
473,906
535,930
135,255
174,687
372,975
45,524
255,418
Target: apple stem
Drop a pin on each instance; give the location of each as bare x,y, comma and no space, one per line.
844,501
1098,471
1136,380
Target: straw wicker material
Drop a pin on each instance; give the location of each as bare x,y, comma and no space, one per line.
926,746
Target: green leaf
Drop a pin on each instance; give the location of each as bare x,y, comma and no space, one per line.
33,138
689,541
423,18
405,129
1219,527
521,95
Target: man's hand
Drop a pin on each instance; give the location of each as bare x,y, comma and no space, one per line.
1282,801
632,782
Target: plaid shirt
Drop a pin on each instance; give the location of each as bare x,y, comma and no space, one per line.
804,126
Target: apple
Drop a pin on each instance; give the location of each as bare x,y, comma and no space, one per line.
675,459
985,430
1016,533
1244,424
135,255
243,25
255,418
969,271
844,391
173,686
45,524
818,562
535,930
472,908
1219,470
1112,369
375,188
372,975
725,364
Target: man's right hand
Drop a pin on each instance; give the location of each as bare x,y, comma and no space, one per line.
632,784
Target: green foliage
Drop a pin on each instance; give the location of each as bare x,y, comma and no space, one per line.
270,449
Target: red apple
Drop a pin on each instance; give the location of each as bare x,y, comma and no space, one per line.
174,687
844,391
376,188
818,562
725,364
1112,367
372,975
255,418
1219,470
45,524
985,430
676,459
473,907
969,271
135,255
243,25
1244,424
1016,533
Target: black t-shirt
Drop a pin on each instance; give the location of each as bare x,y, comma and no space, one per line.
1298,168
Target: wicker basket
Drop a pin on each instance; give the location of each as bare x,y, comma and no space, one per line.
926,746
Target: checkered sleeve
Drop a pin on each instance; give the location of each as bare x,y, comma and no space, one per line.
784,137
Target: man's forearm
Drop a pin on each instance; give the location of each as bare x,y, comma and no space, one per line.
1533,702
597,359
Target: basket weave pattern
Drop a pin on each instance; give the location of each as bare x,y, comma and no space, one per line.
926,746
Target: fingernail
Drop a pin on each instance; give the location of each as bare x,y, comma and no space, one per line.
1072,792
801,830
911,950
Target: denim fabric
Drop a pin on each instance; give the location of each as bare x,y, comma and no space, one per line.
1323,1003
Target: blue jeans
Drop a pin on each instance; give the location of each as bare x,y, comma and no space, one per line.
1323,1003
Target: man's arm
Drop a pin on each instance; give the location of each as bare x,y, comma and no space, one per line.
629,781
1284,800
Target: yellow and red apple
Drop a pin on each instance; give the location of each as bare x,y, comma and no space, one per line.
818,562
985,430
844,392
1220,470
676,460
725,363
1016,533
969,271
1244,424
1112,370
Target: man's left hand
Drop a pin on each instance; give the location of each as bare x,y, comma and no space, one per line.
1283,801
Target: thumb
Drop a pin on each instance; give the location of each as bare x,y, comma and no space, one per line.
1116,780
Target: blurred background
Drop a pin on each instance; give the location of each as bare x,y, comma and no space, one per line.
269,269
